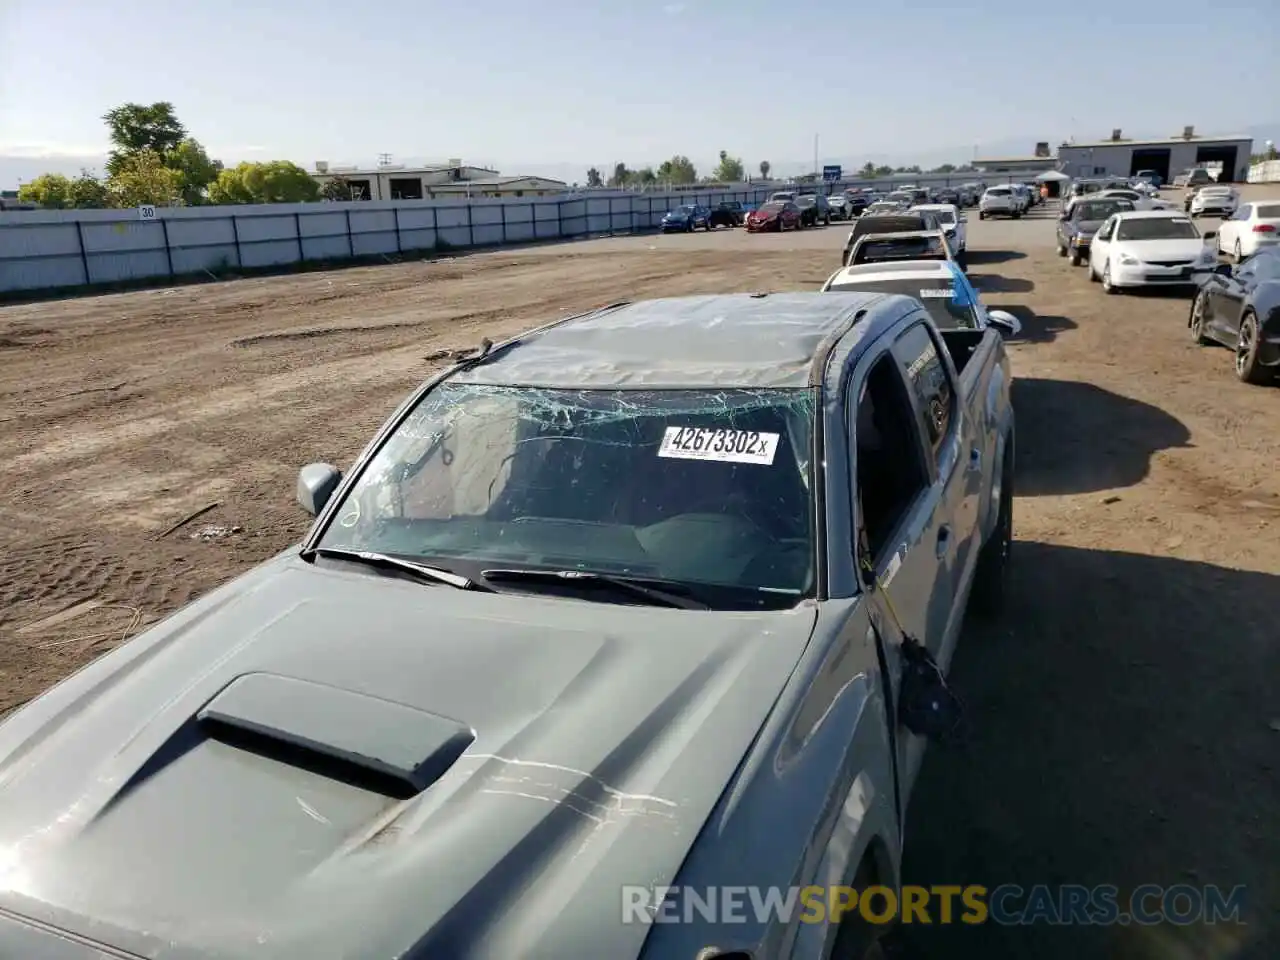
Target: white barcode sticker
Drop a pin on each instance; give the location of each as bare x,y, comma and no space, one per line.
726,446
939,294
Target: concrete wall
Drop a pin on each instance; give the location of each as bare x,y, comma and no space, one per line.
48,249
1268,171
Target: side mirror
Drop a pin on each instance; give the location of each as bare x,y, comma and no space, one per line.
1210,234
1005,322
316,483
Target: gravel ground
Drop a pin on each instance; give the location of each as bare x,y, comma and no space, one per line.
1123,728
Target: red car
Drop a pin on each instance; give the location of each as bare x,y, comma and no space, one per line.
775,215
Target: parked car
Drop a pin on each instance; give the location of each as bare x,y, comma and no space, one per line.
1140,201
1078,224
1000,201
896,247
783,196
895,221
953,223
857,203
539,593
1196,177
1239,307
1146,248
1151,177
838,204
727,213
942,287
947,195
813,209
882,208
774,215
686,218
1214,200
904,197
1253,227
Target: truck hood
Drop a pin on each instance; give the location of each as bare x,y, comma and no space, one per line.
321,762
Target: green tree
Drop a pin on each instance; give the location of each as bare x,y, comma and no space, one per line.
945,168
730,169
594,179
644,177
765,167
52,191
884,170
134,127
142,178
278,181
89,193
621,175
196,170
678,170
338,188
868,171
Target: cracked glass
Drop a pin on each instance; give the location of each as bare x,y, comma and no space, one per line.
699,486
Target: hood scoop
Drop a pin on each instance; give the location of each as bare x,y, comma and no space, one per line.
362,741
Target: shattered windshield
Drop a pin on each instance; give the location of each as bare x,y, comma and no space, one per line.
695,486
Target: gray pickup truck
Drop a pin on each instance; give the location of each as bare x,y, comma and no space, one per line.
1080,220
589,615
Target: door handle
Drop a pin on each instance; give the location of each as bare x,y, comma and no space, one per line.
975,459
944,540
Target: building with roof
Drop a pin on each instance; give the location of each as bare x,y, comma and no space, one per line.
453,179
1121,157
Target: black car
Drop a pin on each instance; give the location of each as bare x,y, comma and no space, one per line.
1239,307
727,213
889,223
814,209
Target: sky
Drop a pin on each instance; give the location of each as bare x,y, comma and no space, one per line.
560,86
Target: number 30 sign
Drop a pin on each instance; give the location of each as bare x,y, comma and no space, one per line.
146,212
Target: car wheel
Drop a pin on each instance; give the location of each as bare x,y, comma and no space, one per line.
1107,285
982,215
991,575
1248,367
1197,322
1062,251
1093,274
1238,254
1075,258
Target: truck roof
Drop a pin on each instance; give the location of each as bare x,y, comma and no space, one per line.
743,340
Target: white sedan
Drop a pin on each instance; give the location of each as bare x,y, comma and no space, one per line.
1146,248
1139,200
950,218
1251,228
1221,201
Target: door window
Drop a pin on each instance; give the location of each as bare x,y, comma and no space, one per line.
930,383
890,474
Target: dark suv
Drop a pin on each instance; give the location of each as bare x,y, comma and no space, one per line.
813,209
727,213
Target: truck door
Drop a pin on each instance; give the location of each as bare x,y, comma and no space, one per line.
897,510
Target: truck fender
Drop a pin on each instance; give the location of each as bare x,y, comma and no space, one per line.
998,413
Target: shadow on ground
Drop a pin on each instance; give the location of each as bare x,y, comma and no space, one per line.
1119,733
980,257
994,283
1078,438
1038,328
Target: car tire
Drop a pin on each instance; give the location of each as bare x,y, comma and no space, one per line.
1062,251
1093,274
991,574
1248,365
1075,258
1196,320
1107,286
982,215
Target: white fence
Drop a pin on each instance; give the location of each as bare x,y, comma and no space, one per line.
1268,171
55,249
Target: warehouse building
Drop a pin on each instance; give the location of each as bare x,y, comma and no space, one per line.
397,182
1119,157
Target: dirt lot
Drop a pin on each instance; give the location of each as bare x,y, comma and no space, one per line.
1125,727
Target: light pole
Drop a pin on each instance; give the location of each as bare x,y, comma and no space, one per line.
815,155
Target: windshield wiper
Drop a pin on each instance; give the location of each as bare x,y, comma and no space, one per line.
420,570
635,586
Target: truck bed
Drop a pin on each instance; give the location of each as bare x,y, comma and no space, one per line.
964,345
